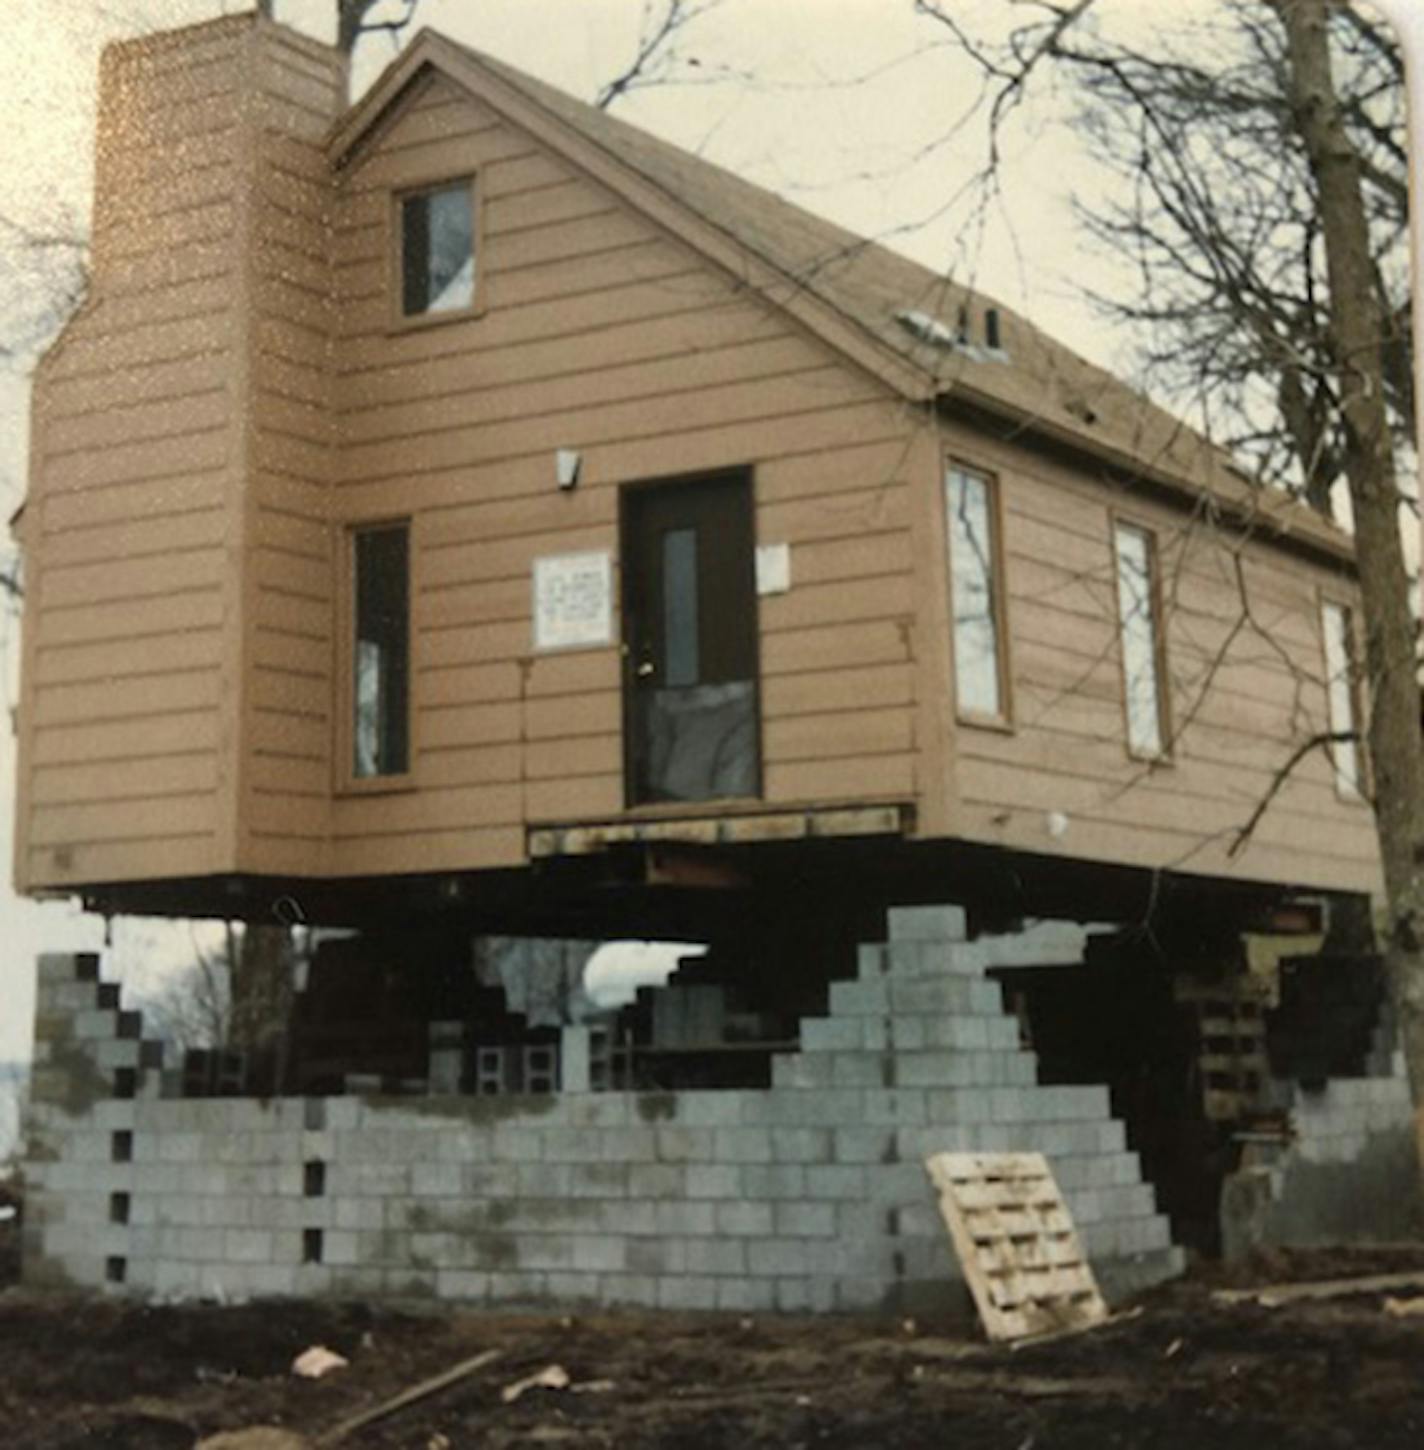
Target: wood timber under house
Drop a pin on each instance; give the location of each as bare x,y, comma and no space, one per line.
467,501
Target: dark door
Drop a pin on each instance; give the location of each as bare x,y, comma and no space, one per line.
690,641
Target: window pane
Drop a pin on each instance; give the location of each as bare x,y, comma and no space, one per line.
438,250
380,658
1137,616
1340,696
976,623
681,665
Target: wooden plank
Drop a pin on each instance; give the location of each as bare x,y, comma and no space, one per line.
1016,1243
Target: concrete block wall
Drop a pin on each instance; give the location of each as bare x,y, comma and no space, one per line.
809,1196
1349,1172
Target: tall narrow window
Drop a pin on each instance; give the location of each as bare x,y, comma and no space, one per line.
1140,628
438,249
380,653
1341,698
974,570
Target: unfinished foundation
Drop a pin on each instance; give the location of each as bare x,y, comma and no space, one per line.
810,1194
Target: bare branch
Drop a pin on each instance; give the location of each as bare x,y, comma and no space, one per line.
1282,775
657,52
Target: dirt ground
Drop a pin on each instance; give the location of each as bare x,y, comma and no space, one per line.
1188,1372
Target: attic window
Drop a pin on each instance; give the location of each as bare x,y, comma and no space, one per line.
437,249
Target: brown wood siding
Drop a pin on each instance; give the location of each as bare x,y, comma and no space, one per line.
289,600
133,474
596,332
1245,685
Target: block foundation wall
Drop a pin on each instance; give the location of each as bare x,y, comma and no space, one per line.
810,1195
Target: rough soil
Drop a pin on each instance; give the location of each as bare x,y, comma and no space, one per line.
99,1375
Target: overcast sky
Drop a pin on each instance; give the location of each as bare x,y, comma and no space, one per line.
846,106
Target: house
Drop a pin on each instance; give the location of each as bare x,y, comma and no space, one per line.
465,508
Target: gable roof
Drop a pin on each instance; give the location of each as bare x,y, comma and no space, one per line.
884,312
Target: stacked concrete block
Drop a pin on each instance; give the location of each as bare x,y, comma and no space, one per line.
1347,1170
922,1033
92,1068
811,1195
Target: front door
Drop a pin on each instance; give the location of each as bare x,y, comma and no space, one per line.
690,641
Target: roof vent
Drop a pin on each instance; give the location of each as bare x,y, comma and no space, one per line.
927,329
931,330
991,328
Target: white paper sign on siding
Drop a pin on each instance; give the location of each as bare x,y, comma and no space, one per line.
573,601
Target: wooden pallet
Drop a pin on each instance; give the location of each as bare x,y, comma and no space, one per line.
1231,1045
1017,1244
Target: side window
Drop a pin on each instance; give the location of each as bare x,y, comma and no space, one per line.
380,651
437,249
1342,698
1139,616
976,599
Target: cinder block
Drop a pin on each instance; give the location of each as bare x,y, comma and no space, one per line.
793,1071
658,1180
95,1025
896,1108
744,1145
772,1257
603,1180
744,1219
927,923
861,1069
67,967
687,1218
858,999
746,1296
826,1108
915,995
599,1110
804,1220
831,1034
567,1287
773,1181
491,1180
684,1145
545,1180
712,1109
604,1253
687,1291
436,1180
656,1256
835,1182
801,1145
517,1145
713,1180
639,1290
467,1285
716,1256
247,1246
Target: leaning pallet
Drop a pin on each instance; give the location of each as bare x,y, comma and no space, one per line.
1017,1244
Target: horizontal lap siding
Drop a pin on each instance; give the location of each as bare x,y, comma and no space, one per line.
601,334
1245,687
133,471
290,570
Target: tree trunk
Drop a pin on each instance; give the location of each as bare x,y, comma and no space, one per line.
262,991
1357,332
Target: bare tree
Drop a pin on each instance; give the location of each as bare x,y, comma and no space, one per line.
1302,285
193,1008
1210,195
